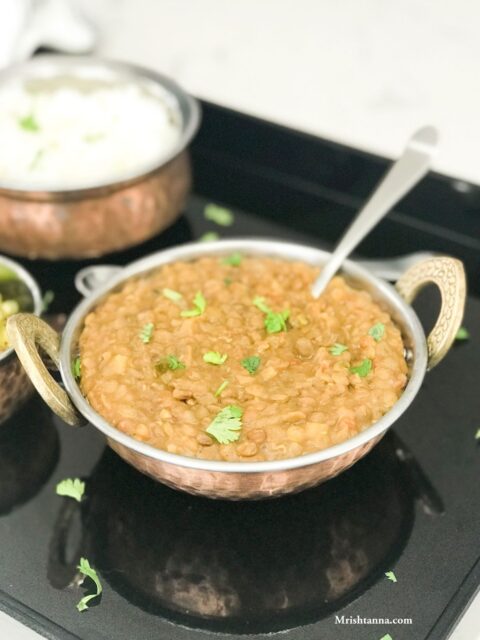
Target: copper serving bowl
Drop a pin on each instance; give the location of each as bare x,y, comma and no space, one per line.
15,387
60,222
241,480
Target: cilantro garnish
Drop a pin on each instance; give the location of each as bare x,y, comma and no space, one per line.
174,363
274,321
199,304
29,123
220,215
227,281
337,349
89,572
391,576
210,236
72,488
172,295
77,368
170,362
234,260
226,425
214,357
259,302
363,369
221,388
251,364
377,331
462,334
146,333
48,298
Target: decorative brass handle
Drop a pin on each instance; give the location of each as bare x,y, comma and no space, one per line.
26,333
449,276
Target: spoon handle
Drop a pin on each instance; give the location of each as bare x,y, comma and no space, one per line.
412,165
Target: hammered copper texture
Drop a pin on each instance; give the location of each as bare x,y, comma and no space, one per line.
15,387
238,485
85,225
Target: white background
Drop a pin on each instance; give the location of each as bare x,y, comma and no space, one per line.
364,72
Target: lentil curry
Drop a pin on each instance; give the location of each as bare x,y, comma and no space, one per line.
232,358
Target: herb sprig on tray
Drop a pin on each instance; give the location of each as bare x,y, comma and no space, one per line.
89,572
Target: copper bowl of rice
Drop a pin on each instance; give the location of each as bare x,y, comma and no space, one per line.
97,156
213,369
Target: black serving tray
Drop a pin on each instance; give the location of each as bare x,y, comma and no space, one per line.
174,566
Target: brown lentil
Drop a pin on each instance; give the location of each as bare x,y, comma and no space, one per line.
302,398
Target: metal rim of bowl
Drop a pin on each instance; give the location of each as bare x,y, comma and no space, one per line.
34,289
63,63
267,248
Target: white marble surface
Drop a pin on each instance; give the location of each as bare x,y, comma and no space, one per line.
361,72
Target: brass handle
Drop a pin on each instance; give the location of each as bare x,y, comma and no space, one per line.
26,333
449,276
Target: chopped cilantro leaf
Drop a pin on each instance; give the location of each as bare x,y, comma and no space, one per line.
48,298
77,368
363,369
146,333
199,304
170,362
221,388
72,488
174,363
214,357
259,302
29,123
89,572
276,322
251,364
220,215
172,295
391,576
377,331
234,260
210,236
226,425
227,281
337,349
462,334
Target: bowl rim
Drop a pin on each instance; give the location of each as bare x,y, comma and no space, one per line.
64,63
34,289
267,248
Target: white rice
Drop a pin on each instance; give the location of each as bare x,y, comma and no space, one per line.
63,136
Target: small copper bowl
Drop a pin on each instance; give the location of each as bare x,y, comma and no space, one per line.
15,385
57,223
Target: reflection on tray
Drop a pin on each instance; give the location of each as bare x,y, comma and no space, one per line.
29,450
243,567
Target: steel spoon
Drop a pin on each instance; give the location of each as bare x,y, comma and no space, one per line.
412,165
